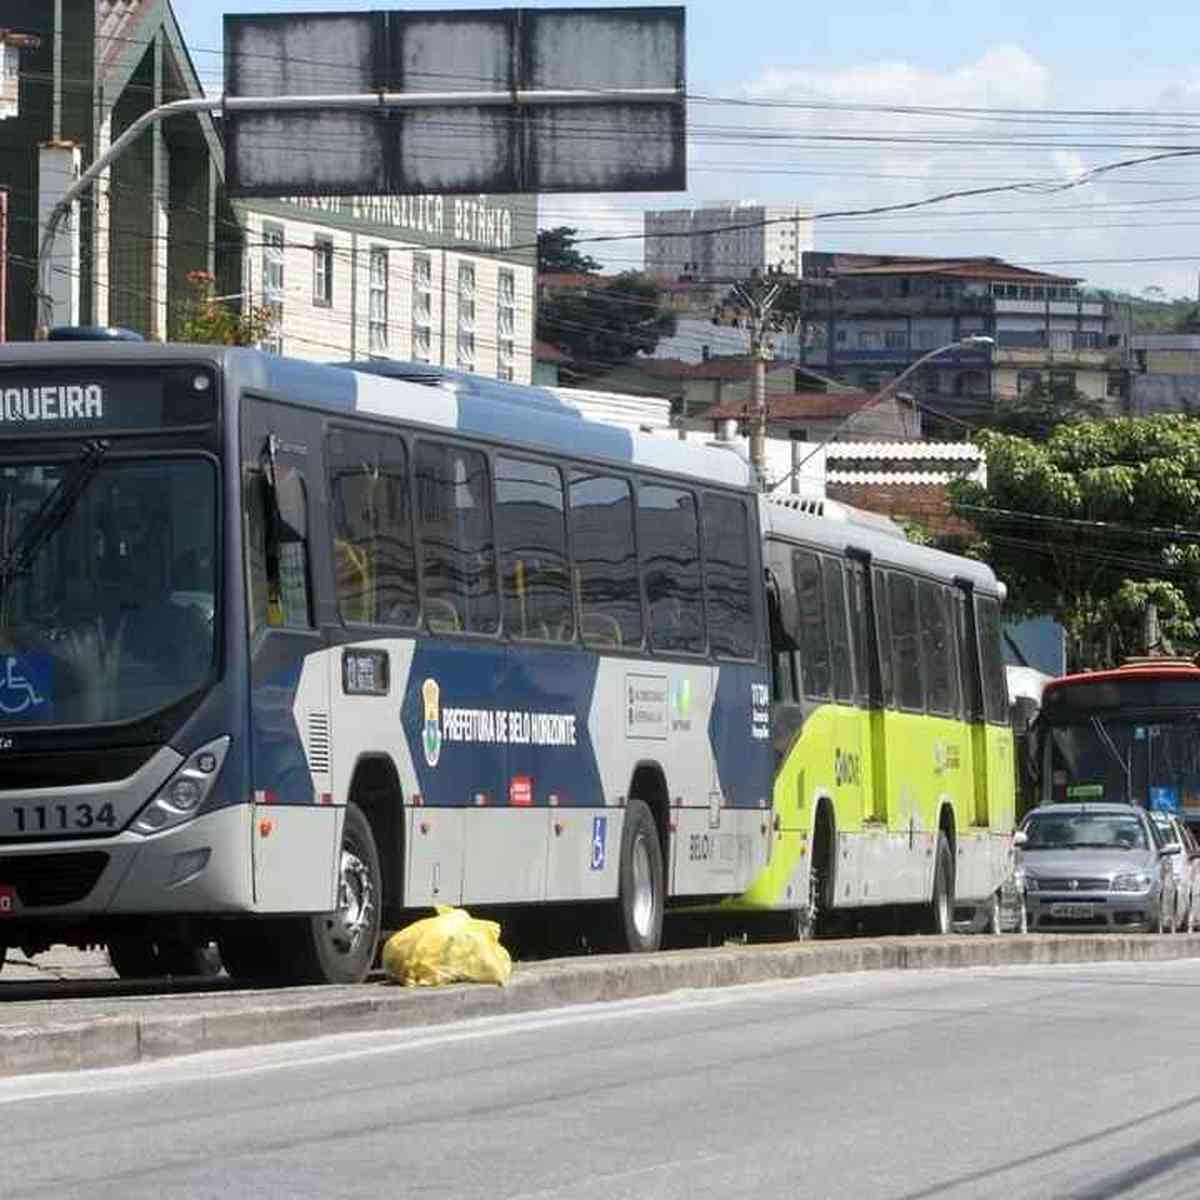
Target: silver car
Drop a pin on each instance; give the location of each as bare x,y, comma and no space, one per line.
1096,867
1186,866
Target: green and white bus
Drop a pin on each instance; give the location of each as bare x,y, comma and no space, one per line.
894,780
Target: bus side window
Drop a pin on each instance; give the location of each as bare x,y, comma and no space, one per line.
906,646
839,629
669,541
784,685
814,641
727,577
935,648
607,589
458,560
532,536
995,687
860,634
375,571
276,533
968,656
883,635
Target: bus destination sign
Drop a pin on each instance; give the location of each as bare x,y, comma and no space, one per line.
96,400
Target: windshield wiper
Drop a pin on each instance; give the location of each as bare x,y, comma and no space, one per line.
1107,742
54,510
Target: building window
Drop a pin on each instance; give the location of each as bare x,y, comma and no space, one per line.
1027,381
323,272
377,313
422,308
506,323
895,339
272,285
1115,385
869,339
466,316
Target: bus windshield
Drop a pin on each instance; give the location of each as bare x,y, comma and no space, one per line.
107,586
1148,760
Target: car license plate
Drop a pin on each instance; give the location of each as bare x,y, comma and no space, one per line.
8,900
1071,910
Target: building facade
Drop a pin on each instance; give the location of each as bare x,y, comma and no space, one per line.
1164,373
446,280
84,71
883,313
726,241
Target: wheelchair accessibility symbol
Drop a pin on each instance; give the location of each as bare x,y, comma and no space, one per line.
19,685
599,842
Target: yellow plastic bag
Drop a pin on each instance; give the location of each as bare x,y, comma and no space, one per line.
452,947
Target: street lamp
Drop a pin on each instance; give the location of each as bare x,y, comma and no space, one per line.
972,340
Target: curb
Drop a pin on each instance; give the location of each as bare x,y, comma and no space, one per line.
263,1018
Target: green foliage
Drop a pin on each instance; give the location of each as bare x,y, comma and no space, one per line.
606,324
214,322
1091,524
557,254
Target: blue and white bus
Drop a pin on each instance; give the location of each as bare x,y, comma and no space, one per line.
288,650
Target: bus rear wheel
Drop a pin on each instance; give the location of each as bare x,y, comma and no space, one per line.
939,913
642,882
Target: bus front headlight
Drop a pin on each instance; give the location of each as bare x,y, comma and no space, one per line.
180,798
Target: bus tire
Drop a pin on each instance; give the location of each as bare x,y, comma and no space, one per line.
641,897
939,913
332,947
995,924
339,947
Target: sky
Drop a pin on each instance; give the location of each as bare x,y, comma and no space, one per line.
813,105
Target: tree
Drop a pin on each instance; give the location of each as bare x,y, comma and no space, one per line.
605,324
1090,525
204,318
1043,408
557,254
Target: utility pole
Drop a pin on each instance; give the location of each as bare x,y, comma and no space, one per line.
758,303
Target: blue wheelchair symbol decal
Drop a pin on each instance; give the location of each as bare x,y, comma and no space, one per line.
24,686
599,841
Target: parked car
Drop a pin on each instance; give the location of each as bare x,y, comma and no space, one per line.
1096,867
1186,865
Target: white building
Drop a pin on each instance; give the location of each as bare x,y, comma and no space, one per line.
447,280
726,241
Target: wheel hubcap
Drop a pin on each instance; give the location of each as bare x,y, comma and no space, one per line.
356,904
643,889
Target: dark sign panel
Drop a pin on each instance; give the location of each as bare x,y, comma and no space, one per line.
507,143
96,400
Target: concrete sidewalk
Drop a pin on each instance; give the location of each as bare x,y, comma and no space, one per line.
80,1032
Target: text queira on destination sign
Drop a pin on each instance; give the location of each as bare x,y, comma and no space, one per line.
70,402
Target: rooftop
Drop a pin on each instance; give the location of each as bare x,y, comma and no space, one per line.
958,268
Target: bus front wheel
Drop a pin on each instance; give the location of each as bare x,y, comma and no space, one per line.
333,947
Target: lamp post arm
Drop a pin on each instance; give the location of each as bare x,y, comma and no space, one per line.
881,394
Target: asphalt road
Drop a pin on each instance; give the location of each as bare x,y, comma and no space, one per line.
1010,1082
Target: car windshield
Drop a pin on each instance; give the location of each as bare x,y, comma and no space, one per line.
109,586
1154,763
1079,831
